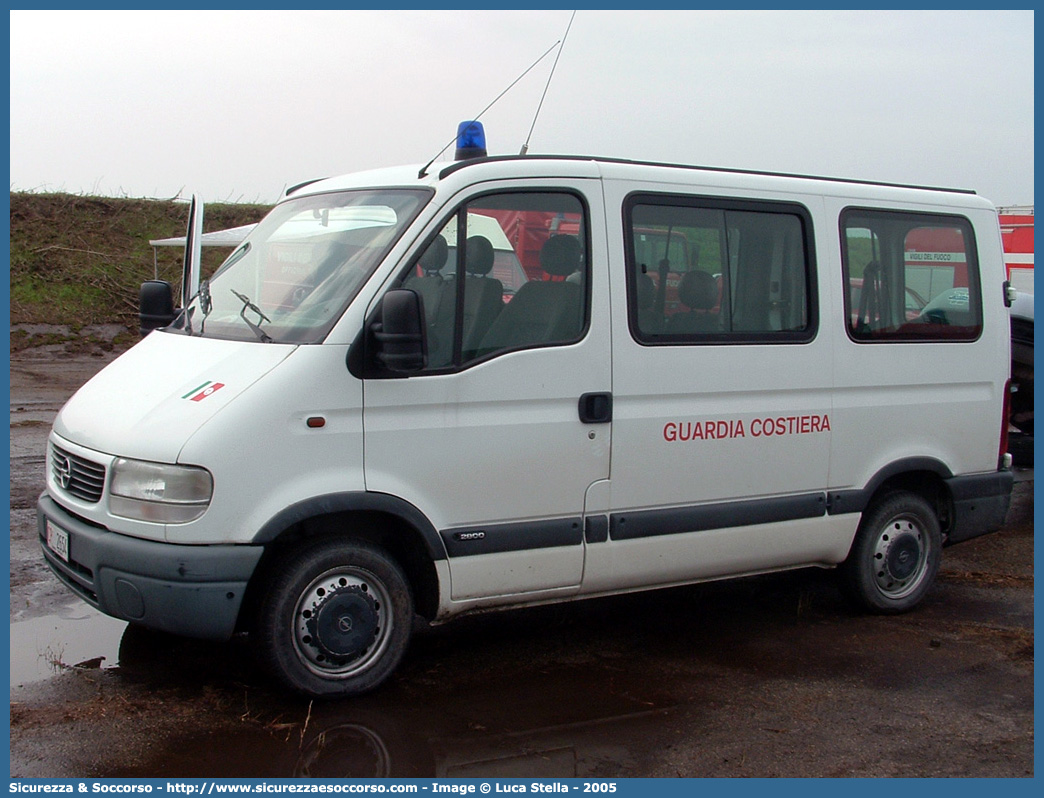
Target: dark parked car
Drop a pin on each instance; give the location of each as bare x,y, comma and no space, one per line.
1020,440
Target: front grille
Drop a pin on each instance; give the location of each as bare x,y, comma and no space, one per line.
77,476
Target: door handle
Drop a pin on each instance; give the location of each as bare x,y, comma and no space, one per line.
596,408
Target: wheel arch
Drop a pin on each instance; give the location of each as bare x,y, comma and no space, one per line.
383,520
925,476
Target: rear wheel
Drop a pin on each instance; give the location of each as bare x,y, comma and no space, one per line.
336,619
896,554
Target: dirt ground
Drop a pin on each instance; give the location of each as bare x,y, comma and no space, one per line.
768,676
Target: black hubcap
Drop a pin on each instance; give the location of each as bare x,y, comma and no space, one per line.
345,624
903,556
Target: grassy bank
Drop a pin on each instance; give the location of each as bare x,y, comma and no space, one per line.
78,261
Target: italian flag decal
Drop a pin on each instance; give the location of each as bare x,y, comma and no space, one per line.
201,392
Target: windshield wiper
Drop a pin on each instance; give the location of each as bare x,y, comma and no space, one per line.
262,336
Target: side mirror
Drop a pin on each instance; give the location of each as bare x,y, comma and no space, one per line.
400,332
155,305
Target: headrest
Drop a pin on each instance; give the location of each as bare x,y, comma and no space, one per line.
698,290
560,256
434,257
479,254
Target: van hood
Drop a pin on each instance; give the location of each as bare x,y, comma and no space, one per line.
148,402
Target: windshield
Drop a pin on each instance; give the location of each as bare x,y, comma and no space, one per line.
296,272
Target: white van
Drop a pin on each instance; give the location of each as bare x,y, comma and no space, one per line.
718,373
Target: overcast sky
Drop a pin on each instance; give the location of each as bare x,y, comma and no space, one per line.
238,105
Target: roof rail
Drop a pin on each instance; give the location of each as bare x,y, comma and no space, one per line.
498,158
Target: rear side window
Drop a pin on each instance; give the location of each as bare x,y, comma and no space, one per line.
704,270
910,277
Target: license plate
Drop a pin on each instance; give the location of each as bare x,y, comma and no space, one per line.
58,541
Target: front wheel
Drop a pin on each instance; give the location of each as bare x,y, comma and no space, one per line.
895,555
336,618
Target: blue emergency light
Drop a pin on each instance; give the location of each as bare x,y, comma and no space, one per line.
471,141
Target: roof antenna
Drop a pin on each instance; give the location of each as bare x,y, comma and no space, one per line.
525,147
424,169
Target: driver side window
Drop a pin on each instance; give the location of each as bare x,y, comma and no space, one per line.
519,281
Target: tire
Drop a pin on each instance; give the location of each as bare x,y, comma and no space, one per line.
895,556
336,619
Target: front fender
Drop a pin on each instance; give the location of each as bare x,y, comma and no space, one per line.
357,501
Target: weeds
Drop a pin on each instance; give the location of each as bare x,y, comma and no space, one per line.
81,260
53,657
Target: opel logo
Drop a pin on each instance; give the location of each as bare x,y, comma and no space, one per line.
62,470
344,624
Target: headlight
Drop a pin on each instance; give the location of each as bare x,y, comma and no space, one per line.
164,494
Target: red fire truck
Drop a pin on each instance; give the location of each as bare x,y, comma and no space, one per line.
1016,225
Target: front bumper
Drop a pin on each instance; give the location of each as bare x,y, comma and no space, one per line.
195,591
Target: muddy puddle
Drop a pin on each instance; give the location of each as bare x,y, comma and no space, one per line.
452,713
462,706
75,636
540,728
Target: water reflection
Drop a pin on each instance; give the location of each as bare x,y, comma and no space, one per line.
77,636
372,746
350,750
436,719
